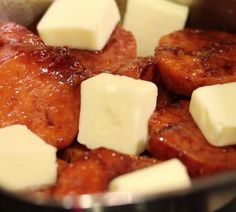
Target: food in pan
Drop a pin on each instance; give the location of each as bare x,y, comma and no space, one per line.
43,82
174,134
158,178
92,171
39,81
40,88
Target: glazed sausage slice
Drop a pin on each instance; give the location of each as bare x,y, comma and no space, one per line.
190,58
39,87
175,135
144,68
92,170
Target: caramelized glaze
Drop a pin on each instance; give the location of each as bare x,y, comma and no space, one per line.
191,58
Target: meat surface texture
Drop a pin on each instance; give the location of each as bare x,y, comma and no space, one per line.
120,49
40,85
144,68
173,134
91,171
191,58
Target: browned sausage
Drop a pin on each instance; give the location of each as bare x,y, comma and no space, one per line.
191,58
40,85
173,134
144,68
92,171
120,49
73,152
40,88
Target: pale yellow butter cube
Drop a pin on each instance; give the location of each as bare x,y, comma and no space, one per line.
115,111
26,161
82,24
213,109
164,177
149,20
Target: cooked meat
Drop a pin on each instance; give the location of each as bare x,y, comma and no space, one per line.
120,49
14,35
191,58
165,98
92,171
173,134
40,85
40,89
118,57
144,68
73,152
61,166
11,33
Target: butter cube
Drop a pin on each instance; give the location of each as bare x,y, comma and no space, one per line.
82,24
115,111
164,177
149,20
213,109
26,161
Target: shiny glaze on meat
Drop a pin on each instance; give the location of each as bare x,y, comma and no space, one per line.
144,68
11,33
120,49
173,134
73,152
191,58
91,171
40,85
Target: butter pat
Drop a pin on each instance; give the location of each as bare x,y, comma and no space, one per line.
82,24
213,109
164,177
25,159
149,20
115,111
